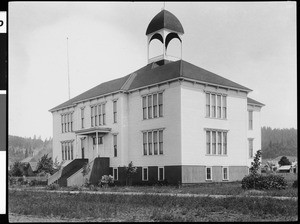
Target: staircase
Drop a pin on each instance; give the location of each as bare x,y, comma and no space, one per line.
67,171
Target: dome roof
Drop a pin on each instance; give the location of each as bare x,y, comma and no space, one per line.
164,19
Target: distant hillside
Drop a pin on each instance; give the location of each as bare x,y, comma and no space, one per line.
278,142
20,148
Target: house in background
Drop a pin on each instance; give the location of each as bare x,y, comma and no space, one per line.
174,120
32,162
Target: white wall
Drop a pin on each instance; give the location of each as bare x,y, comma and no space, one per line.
194,122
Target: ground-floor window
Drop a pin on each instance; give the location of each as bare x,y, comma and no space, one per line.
67,150
208,173
145,174
161,173
115,173
225,173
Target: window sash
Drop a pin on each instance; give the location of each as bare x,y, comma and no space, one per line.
225,173
115,142
161,150
208,147
160,104
250,120
224,103
225,143
160,173
115,173
115,111
145,144
145,174
150,142
219,143
150,106
208,173
250,148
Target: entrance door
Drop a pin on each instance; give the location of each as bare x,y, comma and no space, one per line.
82,148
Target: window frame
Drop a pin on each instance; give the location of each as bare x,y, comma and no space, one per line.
115,113
208,167
251,149
143,176
115,145
223,168
163,173
250,119
116,168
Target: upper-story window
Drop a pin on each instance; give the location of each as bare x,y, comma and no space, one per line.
153,142
216,142
152,105
67,122
82,117
216,105
115,111
97,115
250,115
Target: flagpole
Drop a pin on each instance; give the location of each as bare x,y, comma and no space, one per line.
68,66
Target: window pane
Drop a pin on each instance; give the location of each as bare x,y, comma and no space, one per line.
161,174
145,143
214,142
150,106
145,171
160,103
150,142
219,143
208,173
161,142
208,142
155,142
224,143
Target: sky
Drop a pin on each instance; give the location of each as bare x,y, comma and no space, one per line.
252,43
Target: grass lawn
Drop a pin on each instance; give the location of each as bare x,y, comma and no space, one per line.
85,207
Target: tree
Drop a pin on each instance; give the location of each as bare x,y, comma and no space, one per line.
45,164
284,161
130,171
17,170
255,165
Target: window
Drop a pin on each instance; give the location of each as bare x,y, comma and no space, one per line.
145,143
155,105
208,142
103,114
250,113
150,106
92,116
115,142
153,142
219,143
145,174
66,122
82,117
216,142
72,150
225,143
161,173
95,115
213,107
207,105
62,151
161,151
208,173
62,123
115,111
99,114
100,140
224,103
225,173
250,140
115,173
160,104
144,107
66,151
150,142
68,145
219,106
71,118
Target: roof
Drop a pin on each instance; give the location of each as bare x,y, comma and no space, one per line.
287,167
154,73
34,165
164,19
252,101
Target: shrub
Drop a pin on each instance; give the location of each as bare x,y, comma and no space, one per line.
261,182
53,186
38,183
163,182
295,184
106,180
75,188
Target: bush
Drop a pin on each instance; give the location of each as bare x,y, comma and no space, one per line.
38,183
53,186
106,180
163,182
295,184
75,188
261,182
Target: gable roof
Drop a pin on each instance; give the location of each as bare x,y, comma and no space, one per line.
28,159
252,101
152,74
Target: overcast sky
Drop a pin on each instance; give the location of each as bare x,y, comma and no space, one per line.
253,44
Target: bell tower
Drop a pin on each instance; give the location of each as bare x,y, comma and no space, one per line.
164,27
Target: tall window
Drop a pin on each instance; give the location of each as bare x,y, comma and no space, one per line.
144,107
71,120
145,174
62,123
68,145
213,107
115,142
82,117
150,106
216,142
225,143
219,143
207,105
95,115
72,150
208,173
224,103
145,143
66,122
225,173
250,147
160,104
115,111
150,142
103,114
250,112
219,106
153,141
208,142
92,116
155,105
62,151
99,114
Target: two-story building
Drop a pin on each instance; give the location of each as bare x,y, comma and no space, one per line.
174,120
